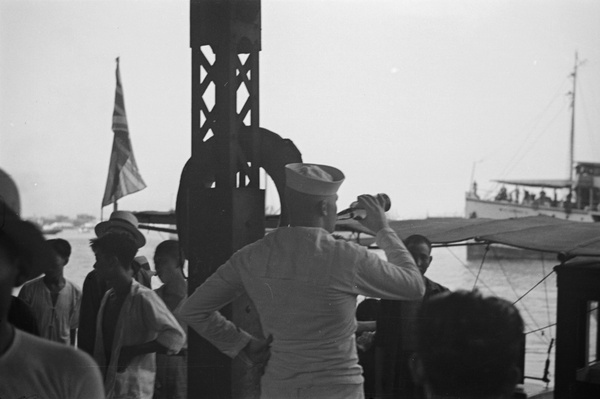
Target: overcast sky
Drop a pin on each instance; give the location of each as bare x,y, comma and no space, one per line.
407,97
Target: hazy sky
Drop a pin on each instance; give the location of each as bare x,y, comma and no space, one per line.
406,97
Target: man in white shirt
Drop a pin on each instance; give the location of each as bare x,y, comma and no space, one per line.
304,284
133,323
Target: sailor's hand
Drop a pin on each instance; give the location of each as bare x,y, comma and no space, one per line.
373,205
125,357
259,351
365,341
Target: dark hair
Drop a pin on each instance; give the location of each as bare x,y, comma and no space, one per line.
469,344
8,246
417,239
114,244
367,310
171,248
61,247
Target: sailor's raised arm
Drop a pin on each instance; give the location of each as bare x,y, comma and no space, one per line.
398,277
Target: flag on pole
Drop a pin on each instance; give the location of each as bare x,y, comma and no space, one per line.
123,175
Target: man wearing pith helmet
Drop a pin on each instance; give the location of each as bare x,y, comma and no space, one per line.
304,284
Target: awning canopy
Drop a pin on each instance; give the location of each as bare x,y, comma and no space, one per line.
538,233
542,183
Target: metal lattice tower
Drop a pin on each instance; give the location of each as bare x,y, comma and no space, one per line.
225,210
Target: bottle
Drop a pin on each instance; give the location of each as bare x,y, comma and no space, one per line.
357,213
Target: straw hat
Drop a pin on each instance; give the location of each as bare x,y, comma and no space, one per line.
122,220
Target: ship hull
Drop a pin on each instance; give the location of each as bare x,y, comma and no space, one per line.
479,208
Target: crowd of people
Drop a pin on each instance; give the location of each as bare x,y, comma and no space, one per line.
118,338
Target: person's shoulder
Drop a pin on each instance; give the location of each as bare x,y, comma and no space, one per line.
138,288
33,283
141,291
30,287
433,288
257,246
73,286
90,277
54,353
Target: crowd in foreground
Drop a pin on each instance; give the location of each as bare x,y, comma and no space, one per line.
117,338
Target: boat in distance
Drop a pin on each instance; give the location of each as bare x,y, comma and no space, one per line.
575,200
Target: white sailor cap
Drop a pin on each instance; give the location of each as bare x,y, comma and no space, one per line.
313,179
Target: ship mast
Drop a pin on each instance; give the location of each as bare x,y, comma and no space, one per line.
572,143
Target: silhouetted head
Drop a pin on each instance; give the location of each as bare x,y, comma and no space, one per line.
62,248
468,346
112,251
168,260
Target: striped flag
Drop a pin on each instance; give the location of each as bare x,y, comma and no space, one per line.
123,175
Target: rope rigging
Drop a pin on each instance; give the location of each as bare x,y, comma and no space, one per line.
546,292
539,331
487,248
523,306
520,153
519,298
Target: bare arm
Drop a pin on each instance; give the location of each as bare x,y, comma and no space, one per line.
399,277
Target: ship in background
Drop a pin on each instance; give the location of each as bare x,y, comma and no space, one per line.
575,198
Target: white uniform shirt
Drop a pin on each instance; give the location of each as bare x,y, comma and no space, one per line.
304,284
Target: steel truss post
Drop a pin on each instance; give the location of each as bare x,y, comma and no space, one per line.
225,44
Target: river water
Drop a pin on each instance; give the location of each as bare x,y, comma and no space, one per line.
510,279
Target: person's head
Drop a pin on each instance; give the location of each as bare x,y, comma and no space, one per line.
24,253
367,310
62,249
168,260
468,346
122,222
114,254
420,249
311,194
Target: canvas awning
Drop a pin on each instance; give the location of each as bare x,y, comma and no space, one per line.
538,233
542,183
